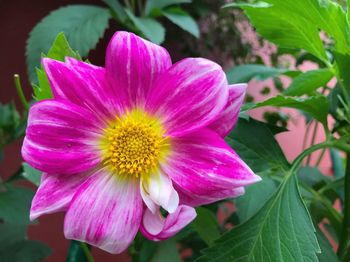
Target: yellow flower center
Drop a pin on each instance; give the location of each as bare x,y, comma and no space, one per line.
134,144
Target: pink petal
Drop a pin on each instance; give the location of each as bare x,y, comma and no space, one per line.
203,164
55,193
83,84
156,228
61,138
190,95
158,190
106,212
133,64
228,117
190,199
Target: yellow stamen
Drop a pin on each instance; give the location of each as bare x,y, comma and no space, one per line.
134,144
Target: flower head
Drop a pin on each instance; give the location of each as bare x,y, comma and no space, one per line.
116,144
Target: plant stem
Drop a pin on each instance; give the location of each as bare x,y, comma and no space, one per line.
20,91
313,138
344,245
318,162
87,253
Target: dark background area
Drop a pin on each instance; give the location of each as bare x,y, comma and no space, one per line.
17,18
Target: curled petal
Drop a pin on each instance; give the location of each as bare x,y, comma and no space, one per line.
83,84
105,212
190,199
203,164
190,95
55,193
228,117
133,64
61,138
158,190
157,228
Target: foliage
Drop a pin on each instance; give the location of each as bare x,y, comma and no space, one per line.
84,25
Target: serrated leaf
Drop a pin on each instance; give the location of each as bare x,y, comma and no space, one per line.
31,174
160,4
324,14
15,204
182,19
149,27
245,73
58,51
83,25
281,231
308,82
283,27
254,198
316,106
206,225
254,142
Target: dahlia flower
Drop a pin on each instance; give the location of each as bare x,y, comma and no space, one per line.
117,144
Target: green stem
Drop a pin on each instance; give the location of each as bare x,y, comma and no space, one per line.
20,92
318,162
299,159
314,133
87,253
344,245
308,126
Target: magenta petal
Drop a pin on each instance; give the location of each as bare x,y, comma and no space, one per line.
156,228
61,138
190,199
55,193
228,117
133,64
203,164
105,212
83,84
190,95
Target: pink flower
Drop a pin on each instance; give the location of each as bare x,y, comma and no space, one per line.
117,143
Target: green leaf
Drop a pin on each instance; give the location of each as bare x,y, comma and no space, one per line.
182,19
316,106
25,250
149,27
254,198
166,249
83,25
278,24
327,254
160,4
58,51
281,231
31,174
206,225
117,9
324,14
9,124
343,65
15,204
311,176
308,82
255,144
245,73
